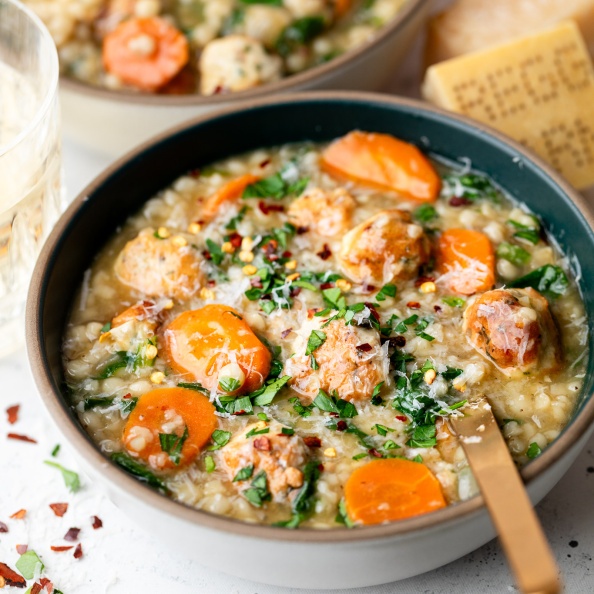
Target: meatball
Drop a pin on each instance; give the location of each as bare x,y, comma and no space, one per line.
159,267
514,329
327,213
280,456
350,361
384,248
236,63
264,23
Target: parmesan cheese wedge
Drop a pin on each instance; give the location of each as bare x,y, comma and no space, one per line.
471,25
538,90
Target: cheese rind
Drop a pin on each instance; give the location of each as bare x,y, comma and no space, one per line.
472,25
538,90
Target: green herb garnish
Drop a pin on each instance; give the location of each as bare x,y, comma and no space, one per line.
548,279
172,444
29,564
71,478
139,471
533,450
513,253
243,474
220,438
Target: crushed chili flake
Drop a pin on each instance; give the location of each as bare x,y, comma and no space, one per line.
395,341
286,332
265,163
402,418
268,208
78,552
19,515
373,311
21,549
413,305
61,549
375,453
325,286
424,279
3,527
235,240
13,413
11,577
365,347
20,437
368,288
262,444
72,534
59,508
325,253
211,282
459,201
295,291
47,584
437,308
207,255
321,467
341,426
311,441
36,588
97,523
302,230
287,254
312,312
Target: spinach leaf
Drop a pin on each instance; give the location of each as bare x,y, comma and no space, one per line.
548,279
139,471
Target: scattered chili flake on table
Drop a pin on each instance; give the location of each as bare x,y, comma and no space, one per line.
13,413
59,508
36,588
61,549
21,549
19,515
72,534
97,523
78,552
3,527
11,577
21,437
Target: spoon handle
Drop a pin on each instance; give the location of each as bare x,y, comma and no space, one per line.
520,532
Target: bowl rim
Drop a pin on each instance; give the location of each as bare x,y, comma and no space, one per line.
289,83
123,482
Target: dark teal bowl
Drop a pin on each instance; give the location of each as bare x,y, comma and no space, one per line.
120,191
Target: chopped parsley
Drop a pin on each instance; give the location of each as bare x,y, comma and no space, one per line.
229,384
245,473
533,450
275,187
299,32
209,464
90,403
172,444
196,386
29,565
529,233
454,301
258,493
382,429
316,339
139,471
376,399
425,213
71,478
342,516
301,409
333,404
219,438
513,253
232,224
215,251
287,431
55,450
423,436
471,186
255,431
304,502
388,290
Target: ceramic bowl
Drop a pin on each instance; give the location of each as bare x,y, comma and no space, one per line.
113,122
300,558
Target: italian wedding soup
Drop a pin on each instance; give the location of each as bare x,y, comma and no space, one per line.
281,337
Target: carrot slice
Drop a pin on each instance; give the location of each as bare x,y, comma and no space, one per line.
187,419
145,53
385,162
204,341
341,7
230,192
466,259
392,489
139,311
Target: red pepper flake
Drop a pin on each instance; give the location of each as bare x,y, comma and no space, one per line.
402,418
235,240
97,523
20,437
11,577
325,253
400,341
459,201
3,527
262,444
341,426
59,508
321,467
302,230
268,208
286,332
373,311
19,515
311,441
78,552
265,163
211,282
368,288
437,308
21,549
72,534
287,254
207,255
365,347
61,549
47,584
36,588
295,291
13,413
325,286
424,279
312,312
413,305
375,453
333,414
194,173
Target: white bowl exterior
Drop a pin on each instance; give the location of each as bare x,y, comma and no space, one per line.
113,127
324,565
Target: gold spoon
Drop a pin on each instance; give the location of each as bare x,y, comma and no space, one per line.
520,532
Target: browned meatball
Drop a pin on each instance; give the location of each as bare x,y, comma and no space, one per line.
384,248
514,329
159,267
280,456
350,361
326,213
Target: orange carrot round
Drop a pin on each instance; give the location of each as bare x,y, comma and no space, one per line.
203,342
145,53
187,419
466,259
392,489
230,192
382,161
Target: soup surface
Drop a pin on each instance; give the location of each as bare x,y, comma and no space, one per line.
281,337
205,46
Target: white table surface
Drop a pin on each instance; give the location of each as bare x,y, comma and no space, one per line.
121,559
